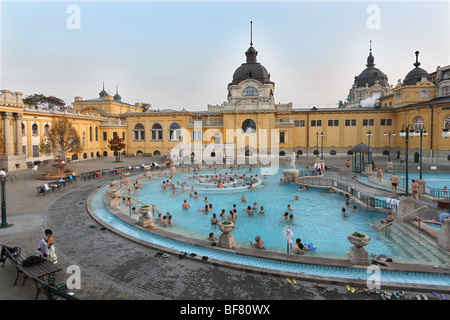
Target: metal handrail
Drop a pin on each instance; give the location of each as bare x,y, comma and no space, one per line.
399,218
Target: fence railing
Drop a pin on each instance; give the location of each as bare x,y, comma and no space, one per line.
368,201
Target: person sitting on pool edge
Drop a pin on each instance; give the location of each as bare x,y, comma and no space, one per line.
258,244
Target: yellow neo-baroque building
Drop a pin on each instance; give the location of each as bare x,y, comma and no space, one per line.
249,122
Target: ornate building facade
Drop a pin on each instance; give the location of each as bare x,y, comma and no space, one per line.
249,122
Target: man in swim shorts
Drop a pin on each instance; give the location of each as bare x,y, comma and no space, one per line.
394,183
415,189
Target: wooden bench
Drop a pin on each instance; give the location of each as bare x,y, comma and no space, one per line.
42,190
55,292
40,272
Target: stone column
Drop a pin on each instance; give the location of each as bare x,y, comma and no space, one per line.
444,235
406,205
422,183
19,147
9,143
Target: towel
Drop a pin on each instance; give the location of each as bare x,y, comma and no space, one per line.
443,216
392,203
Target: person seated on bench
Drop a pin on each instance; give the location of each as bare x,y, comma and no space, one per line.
46,187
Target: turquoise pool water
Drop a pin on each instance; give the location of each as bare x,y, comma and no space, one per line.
317,213
434,180
99,209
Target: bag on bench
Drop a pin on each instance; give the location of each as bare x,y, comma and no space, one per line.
32,260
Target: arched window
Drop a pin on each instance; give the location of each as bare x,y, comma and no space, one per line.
156,153
249,126
250,92
299,152
333,152
157,131
174,132
447,122
282,154
46,129
418,123
34,129
139,132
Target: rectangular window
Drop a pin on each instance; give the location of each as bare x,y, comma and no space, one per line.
333,123
281,137
35,151
105,136
114,134
90,133
302,123
316,123
123,136
296,123
368,122
96,133
197,135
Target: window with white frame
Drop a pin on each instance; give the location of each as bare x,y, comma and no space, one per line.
139,131
157,131
174,132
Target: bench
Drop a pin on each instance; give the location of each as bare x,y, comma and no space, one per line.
42,190
55,292
41,272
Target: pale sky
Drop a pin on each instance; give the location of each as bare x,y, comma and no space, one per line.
183,54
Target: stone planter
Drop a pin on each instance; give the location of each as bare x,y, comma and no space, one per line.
226,239
357,254
144,209
359,242
146,222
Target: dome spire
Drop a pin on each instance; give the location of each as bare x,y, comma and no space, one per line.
370,58
251,33
417,63
251,53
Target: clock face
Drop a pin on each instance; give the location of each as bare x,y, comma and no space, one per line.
424,93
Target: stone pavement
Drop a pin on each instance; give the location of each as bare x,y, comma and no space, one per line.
115,268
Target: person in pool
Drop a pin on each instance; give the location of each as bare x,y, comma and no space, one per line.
298,246
258,243
249,210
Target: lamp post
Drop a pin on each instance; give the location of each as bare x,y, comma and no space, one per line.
11,178
369,134
389,133
321,152
422,132
317,145
406,132
446,134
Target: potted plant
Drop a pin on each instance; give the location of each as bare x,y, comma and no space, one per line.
226,226
359,240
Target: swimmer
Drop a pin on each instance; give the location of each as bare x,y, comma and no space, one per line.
212,237
258,244
255,206
185,205
296,197
355,209
261,210
290,208
249,211
285,216
206,210
243,199
344,212
214,219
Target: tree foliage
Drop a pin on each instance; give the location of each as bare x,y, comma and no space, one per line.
45,102
62,138
116,144
2,146
146,106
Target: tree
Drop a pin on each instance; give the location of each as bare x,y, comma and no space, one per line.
45,102
62,138
146,106
116,145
